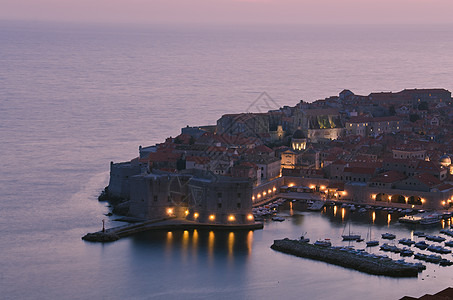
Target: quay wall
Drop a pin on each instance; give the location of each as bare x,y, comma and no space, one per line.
361,193
267,190
436,200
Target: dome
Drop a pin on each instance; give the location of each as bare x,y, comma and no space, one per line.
299,134
445,160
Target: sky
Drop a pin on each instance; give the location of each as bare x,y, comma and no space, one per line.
232,11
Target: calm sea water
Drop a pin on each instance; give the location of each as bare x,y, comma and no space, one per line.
73,98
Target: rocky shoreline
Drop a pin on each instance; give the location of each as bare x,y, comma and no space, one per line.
102,237
120,206
345,259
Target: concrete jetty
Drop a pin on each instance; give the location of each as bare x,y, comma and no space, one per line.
349,260
115,233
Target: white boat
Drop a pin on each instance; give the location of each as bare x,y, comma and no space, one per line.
435,238
407,242
279,219
388,236
372,243
410,219
369,242
421,245
406,252
323,243
419,233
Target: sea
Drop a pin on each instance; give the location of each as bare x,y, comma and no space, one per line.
74,97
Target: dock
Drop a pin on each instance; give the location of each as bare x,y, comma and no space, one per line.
370,265
317,205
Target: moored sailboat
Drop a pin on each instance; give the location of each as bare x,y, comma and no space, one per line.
349,236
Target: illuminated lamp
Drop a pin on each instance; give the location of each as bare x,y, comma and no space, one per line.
231,218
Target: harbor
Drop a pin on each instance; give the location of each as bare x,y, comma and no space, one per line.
411,247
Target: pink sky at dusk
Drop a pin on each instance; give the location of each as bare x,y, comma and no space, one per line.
231,11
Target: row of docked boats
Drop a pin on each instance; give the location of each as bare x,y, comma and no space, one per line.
363,208
326,243
435,238
268,210
403,251
392,248
446,231
438,249
432,258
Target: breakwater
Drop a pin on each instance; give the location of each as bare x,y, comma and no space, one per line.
113,234
334,255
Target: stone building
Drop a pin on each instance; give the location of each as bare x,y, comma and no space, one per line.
365,126
298,140
319,124
120,177
248,124
220,200
193,194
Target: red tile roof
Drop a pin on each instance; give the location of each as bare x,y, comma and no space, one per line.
427,166
444,187
201,160
428,179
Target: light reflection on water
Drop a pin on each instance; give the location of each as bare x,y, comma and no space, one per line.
189,244
211,241
230,245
